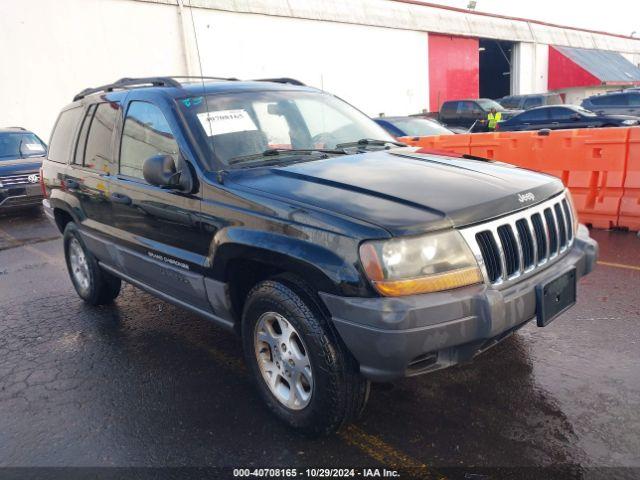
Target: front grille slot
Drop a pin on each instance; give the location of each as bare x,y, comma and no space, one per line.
520,243
568,219
541,237
510,249
490,255
562,226
526,242
551,229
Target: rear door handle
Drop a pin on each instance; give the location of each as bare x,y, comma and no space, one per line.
120,198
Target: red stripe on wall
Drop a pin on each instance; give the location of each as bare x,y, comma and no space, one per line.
565,73
454,69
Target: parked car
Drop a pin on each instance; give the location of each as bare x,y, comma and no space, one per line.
21,155
526,102
565,116
464,113
617,103
412,126
282,213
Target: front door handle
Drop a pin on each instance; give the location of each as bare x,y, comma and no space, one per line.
120,198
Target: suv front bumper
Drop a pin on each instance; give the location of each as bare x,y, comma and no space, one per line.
21,196
405,336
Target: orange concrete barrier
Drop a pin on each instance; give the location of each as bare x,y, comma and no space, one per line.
630,203
600,166
592,163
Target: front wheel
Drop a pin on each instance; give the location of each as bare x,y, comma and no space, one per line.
302,370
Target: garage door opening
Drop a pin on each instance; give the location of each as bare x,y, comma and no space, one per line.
495,68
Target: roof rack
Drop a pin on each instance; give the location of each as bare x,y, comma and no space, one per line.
200,77
169,81
290,81
16,128
129,82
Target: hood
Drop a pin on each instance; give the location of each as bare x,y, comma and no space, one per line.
403,191
20,165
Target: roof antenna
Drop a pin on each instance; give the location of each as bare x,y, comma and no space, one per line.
204,93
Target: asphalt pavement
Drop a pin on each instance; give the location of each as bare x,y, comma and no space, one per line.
142,383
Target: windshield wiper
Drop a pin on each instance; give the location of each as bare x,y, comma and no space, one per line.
274,152
364,142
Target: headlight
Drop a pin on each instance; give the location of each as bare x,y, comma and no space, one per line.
429,263
1,185
574,212
629,122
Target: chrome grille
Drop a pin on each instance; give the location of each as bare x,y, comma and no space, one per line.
519,244
22,179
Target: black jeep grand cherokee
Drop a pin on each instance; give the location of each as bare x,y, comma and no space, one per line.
282,213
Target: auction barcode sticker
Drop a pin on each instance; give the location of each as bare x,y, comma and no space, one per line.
226,121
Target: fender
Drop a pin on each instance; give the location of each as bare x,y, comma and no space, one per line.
326,269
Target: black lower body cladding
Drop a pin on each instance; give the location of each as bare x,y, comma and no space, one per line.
404,336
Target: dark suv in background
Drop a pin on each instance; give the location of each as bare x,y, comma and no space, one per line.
565,117
526,102
618,103
281,213
464,113
21,155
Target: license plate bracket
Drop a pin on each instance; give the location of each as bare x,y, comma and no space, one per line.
555,297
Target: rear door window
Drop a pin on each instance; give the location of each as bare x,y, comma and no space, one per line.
449,108
60,146
99,148
561,114
617,100
532,102
534,115
510,102
146,133
81,144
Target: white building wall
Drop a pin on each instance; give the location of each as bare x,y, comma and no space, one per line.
375,69
52,49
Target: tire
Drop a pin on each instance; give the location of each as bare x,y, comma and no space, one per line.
337,392
94,285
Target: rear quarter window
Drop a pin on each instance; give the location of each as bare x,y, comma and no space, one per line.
63,134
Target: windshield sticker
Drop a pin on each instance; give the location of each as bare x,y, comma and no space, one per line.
226,121
34,147
188,102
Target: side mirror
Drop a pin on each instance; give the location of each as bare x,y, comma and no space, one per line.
575,116
160,170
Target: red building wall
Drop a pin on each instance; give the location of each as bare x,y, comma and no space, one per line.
454,69
565,73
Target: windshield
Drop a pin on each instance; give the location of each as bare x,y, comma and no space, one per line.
487,104
236,125
20,145
419,127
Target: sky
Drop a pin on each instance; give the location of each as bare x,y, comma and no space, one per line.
615,16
